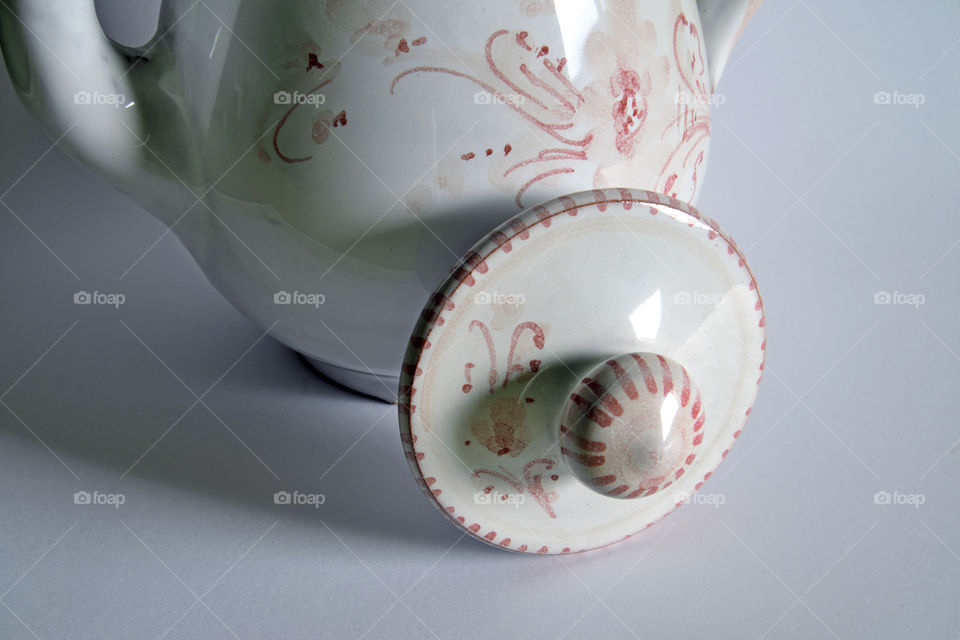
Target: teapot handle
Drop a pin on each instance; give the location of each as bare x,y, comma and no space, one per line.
723,21
101,100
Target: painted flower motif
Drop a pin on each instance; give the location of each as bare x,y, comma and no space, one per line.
600,124
679,177
502,430
378,27
616,113
300,116
531,482
503,433
630,107
325,122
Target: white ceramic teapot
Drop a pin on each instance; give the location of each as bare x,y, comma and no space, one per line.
354,150
330,164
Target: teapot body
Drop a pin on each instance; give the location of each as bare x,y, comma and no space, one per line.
330,162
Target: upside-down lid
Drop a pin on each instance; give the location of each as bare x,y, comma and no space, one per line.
582,372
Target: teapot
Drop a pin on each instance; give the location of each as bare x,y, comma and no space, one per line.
506,192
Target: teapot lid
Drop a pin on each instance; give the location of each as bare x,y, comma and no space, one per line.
582,371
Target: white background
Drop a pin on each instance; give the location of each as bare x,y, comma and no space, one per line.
833,198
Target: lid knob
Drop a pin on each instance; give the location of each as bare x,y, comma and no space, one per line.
632,426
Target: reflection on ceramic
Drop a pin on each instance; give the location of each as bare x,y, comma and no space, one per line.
327,163
583,372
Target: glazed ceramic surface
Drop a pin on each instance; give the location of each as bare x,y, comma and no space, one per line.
584,372
326,163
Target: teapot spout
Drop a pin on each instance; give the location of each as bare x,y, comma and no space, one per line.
100,100
723,21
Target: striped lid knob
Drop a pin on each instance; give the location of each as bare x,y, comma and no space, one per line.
632,426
